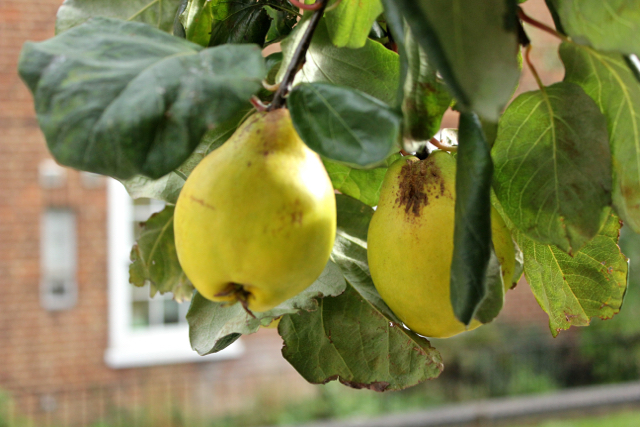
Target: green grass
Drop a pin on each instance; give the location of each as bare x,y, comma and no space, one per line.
621,419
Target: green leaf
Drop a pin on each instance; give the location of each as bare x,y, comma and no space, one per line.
491,305
609,82
155,260
553,167
572,290
348,339
282,23
372,69
157,13
239,21
343,124
350,22
355,337
197,19
472,248
213,326
362,184
474,46
121,98
426,99
611,25
168,187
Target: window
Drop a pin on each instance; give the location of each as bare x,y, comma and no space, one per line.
58,252
142,331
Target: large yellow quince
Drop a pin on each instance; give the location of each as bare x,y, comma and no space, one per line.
256,220
410,244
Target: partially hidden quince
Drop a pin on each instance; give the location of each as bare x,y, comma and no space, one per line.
256,219
410,244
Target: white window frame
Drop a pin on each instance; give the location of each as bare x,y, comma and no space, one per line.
155,345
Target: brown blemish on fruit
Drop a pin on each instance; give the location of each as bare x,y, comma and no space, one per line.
419,181
202,202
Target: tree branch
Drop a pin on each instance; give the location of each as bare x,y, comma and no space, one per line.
297,61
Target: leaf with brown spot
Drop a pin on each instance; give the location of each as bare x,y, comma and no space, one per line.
553,166
572,290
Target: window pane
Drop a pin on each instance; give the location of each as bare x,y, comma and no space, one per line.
171,312
140,314
58,259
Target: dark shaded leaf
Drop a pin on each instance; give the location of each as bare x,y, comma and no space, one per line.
572,290
239,21
553,167
157,13
121,98
492,303
343,124
350,22
155,260
282,23
609,82
372,69
479,64
214,326
611,25
472,249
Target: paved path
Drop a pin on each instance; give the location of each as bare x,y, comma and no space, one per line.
509,410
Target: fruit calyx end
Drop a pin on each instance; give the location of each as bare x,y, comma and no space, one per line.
240,294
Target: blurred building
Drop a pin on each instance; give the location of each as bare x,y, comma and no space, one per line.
76,339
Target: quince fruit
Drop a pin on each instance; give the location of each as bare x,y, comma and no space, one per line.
410,244
256,219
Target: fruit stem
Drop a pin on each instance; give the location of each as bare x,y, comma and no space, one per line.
443,147
297,61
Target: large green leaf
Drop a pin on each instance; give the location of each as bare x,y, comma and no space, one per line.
122,98
155,260
611,25
472,231
372,69
197,19
350,340
168,187
214,326
572,290
553,167
355,337
426,98
350,22
158,13
362,184
473,44
343,124
607,79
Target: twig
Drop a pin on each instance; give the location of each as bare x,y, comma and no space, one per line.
527,57
279,98
539,25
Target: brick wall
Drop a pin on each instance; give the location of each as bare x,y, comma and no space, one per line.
45,356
